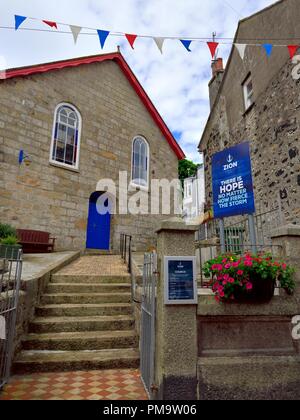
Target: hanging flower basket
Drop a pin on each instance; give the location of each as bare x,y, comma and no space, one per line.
249,278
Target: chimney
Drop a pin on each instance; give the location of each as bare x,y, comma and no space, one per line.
217,77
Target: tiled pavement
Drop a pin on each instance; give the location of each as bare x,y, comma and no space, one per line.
94,385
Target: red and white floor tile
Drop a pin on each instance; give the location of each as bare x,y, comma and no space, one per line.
123,385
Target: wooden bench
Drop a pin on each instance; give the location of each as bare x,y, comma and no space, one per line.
35,242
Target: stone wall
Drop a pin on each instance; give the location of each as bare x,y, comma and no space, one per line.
46,197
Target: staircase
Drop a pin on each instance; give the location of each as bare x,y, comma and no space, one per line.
84,321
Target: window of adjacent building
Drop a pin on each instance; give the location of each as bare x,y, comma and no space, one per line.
248,92
140,162
66,136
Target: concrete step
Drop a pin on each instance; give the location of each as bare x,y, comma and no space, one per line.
74,341
85,298
37,361
76,324
96,279
87,288
74,310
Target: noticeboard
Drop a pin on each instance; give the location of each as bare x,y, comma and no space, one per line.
180,281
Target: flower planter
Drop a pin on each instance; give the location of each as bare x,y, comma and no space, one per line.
262,292
9,252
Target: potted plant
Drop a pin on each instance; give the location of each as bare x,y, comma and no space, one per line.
9,248
249,278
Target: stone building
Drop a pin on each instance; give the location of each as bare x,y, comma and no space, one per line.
64,127
257,100
194,195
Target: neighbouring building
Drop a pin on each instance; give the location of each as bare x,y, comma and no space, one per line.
257,100
194,195
75,123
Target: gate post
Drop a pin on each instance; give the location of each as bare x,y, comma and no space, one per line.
176,326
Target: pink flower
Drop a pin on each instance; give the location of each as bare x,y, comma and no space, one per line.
235,264
226,276
249,286
231,280
227,266
248,263
222,294
284,266
240,273
217,299
224,261
225,282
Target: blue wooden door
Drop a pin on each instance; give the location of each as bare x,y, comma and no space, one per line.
98,229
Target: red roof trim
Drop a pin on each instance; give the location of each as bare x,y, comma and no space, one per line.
118,58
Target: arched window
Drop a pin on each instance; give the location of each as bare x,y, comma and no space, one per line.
140,162
66,136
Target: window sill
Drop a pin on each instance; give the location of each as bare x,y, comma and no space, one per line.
249,109
62,166
135,188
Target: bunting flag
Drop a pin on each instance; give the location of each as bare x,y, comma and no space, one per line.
75,31
241,49
19,20
51,24
159,42
131,39
213,48
293,49
186,44
268,48
102,36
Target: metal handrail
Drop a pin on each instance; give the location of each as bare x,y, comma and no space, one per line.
126,250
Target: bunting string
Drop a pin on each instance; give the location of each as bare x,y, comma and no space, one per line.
241,46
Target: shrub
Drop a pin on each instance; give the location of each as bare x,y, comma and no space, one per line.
6,231
9,240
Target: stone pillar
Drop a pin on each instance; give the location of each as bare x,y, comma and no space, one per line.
287,238
176,326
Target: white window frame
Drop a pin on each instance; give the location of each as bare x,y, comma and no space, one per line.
132,182
248,96
62,164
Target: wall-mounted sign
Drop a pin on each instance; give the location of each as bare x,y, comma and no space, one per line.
180,281
232,182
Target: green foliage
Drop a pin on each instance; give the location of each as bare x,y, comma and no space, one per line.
6,231
9,240
232,272
187,169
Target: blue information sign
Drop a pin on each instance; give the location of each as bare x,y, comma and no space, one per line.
181,287
232,182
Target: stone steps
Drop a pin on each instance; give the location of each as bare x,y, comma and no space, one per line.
83,321
79,288
50,361
76,341
96,279
84,310
89,323
85,298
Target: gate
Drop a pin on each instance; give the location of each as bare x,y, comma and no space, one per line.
148,322
10,277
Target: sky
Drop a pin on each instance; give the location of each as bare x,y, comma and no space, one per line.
176,81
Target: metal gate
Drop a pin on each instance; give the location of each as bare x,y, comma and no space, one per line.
10,277
148,322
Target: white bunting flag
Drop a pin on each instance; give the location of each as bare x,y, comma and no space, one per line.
75,31
159,42
241,49
2,328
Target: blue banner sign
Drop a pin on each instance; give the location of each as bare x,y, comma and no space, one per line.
233,193
180,281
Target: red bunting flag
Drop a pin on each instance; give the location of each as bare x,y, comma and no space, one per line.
131,39
293,49
213,48
51,24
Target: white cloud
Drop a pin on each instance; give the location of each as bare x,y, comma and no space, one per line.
176,81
